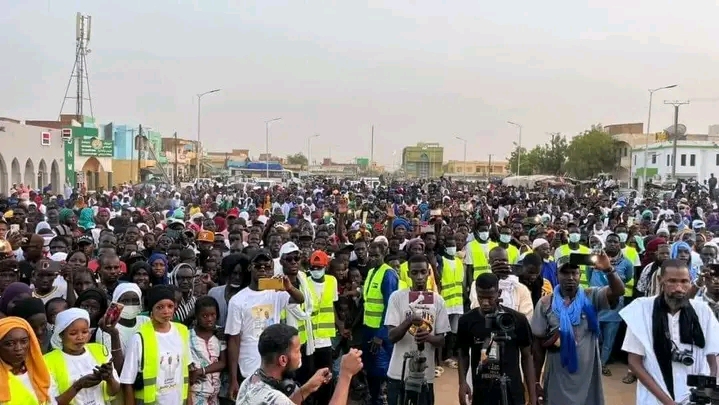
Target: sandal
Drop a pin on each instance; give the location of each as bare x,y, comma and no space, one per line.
438,371
606,371
629,378
451,363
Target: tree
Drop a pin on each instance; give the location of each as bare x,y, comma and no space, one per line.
297,159
545,159
591,153
527,166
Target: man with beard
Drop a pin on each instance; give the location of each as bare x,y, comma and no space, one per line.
609,319
567,330
662,328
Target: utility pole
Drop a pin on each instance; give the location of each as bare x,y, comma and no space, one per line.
676,105
139,144
489,167
132,153
371,152
174,176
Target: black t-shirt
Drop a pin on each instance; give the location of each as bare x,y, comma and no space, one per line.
363,268
472,333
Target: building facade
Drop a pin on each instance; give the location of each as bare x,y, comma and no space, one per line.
476,168
423,160
31,155
180,158
694,159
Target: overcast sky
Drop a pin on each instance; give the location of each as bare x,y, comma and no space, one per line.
418,71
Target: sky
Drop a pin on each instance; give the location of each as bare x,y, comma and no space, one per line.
419,71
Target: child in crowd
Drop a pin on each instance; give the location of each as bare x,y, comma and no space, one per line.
208,353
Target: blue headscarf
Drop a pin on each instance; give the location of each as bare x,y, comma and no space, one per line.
674,254
399,221
569,317
158,280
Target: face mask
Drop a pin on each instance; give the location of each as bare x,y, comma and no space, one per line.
574,237
484,235
505,238
130,311
235,285
623,237
317,274
451,251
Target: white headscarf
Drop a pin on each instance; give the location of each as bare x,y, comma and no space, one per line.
63,320
126,287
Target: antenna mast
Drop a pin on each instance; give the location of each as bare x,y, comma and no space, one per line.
79,69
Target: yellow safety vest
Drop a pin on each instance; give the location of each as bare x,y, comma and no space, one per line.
301,327
479,258
452,279
151,363
373,298
632,255
57,366
566,251
512,254
405,280
19,393
323,308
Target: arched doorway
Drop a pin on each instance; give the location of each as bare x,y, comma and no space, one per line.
15,175
55,177
29,179
423,167
4,187
42,175
92,169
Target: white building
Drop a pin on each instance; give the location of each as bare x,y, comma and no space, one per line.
695,159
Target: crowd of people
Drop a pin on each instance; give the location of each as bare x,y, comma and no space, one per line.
333,293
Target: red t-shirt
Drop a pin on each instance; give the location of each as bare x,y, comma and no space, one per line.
94,264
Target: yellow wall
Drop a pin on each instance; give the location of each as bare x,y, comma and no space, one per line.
126,170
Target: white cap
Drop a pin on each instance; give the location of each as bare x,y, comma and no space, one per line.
539,242
288,248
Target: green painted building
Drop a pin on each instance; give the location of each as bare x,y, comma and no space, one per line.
423,160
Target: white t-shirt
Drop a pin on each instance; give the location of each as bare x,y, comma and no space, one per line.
249,312
173,353
57,291
52,391
80,366
125,334
398,310
254,391
319,291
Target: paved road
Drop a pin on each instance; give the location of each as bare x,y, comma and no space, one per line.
615,392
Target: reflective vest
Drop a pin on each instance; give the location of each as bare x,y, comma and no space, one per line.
373,298
150,363
479,258
564,250
633,256
323,308
405,280
452,279
57,366
19,393
301,326
512,254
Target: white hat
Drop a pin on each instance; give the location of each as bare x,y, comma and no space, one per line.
539,242
288,248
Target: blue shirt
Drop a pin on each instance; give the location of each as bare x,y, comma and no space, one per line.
377,365
549,272
598,278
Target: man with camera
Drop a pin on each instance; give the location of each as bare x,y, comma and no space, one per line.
496,336
417,321
273,384
670,338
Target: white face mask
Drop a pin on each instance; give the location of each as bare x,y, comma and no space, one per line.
574,237
451,251
130,311
484,235
317,274
623,237
505,238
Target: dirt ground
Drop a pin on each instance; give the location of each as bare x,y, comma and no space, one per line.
615,392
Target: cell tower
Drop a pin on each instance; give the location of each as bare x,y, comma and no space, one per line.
79,69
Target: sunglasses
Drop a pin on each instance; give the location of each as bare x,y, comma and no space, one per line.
292,259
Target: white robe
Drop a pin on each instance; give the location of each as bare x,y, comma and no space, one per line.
639,340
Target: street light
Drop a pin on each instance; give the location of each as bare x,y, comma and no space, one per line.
519,144
267,145
464,165
649,121
309,150
199,149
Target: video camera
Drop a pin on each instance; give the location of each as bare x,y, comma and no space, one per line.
698,394
500,321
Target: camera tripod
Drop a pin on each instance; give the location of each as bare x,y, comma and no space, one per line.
413,380
504,380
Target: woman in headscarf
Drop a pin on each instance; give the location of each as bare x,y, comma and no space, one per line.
76,357
24,375
94,301
13,293
68,220
87,219
130,296
158,263
182,277
33,311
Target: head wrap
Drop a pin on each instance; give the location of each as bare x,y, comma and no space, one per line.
96,294
36,368
87,219
401,222
151,261
173,275
65,215
12,291
126,287
676,246
63,320
42,225
158,293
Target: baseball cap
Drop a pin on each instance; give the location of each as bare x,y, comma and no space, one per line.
288,248
260,254
319,259
205,236
85,239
